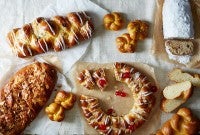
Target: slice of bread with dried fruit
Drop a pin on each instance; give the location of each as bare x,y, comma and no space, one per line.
182,90
180,47
178,75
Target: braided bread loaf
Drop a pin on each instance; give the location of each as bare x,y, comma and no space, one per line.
181,123
143,94
57,33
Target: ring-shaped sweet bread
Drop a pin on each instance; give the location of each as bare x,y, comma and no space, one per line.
143,93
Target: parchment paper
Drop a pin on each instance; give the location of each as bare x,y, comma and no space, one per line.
108,99
158,47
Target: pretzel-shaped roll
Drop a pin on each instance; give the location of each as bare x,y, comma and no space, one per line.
57,33
181,123
143,94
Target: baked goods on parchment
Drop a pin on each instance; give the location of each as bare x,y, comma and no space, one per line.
89,79
182,123
57,33
100,78
178,24
184,15
143,93
113,21
85,79
22,98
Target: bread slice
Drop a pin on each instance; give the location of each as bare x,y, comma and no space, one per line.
169,105
183,90
180,47
178,75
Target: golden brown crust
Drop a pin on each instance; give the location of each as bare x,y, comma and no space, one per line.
85,79
100,78
44,34
126,44
138,29
65,99
183,123
113,21
144,99
55,112
24,95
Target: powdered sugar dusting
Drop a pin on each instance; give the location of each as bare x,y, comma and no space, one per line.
177,19
183,59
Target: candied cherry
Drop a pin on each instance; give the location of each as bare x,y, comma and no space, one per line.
110,111
131,127
102,127
120,93
126,75
102,82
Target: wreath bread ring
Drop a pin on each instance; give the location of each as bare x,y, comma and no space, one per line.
143,93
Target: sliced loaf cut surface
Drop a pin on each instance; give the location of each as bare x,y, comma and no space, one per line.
183,90
180,47
169,105
178,75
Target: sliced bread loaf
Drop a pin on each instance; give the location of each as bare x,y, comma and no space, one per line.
169,105
180,47
178,75
182,90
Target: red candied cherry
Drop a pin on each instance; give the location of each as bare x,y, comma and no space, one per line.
102,127
126,75
102,82
120,93
131,127
110,111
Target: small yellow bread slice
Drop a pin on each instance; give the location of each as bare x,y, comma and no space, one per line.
178,75
183,90
169,105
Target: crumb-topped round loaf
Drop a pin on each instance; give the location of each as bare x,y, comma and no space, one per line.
24,95
143,93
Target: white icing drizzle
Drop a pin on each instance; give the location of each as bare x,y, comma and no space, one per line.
76,37
88,100
41,46
85,15
100,116
29,50
50,27
77,13
107,120
16,45
89,29
136,75
85,30
47,49
94,105
109,130
61,43
147,93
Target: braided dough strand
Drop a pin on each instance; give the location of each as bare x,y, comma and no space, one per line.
144,99
57,33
